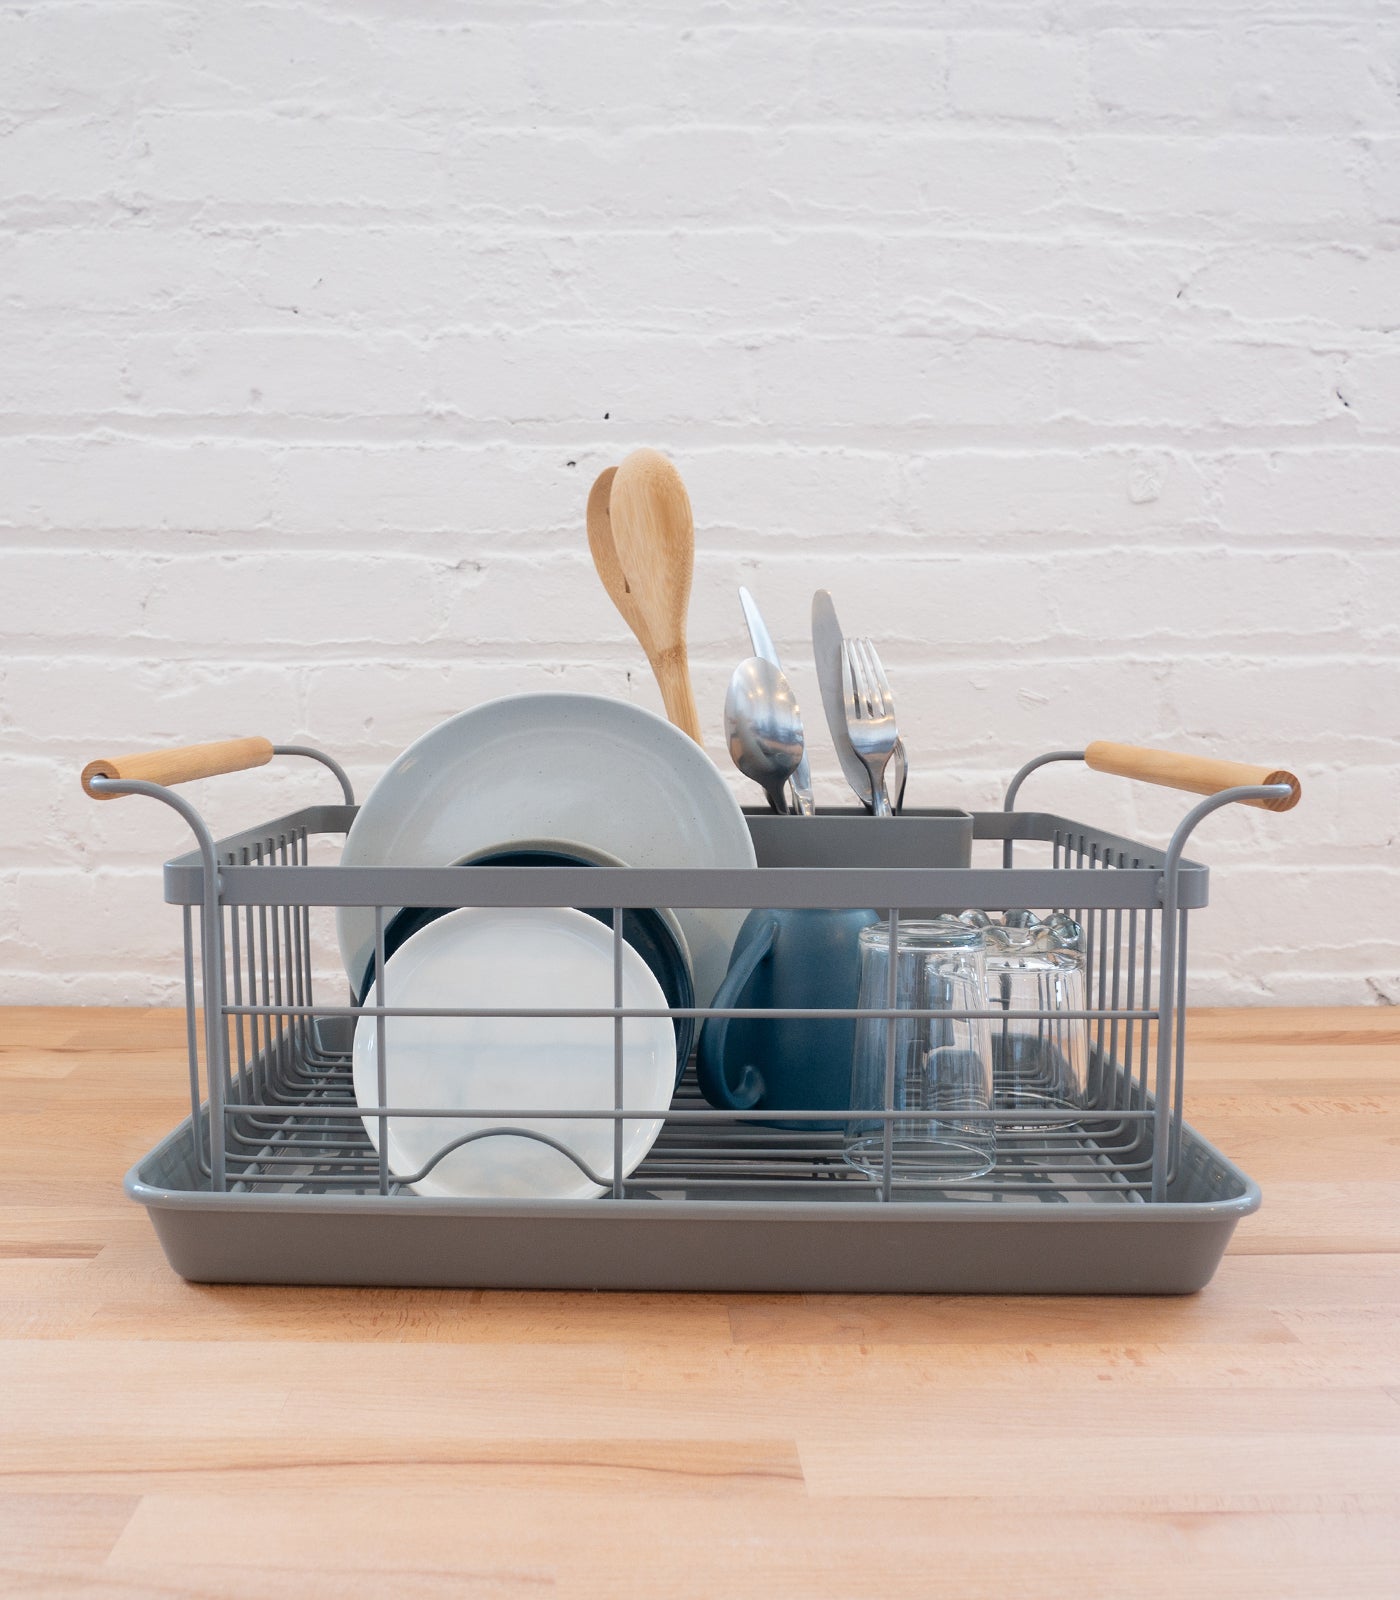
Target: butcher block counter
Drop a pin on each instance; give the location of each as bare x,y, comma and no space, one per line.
160,1438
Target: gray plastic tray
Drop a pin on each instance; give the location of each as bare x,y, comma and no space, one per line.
1066,1241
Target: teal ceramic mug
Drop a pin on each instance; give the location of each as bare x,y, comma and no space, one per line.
785,958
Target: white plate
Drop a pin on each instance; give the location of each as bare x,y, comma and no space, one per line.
580,770
479,956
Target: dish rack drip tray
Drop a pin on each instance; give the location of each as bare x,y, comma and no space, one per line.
718,1204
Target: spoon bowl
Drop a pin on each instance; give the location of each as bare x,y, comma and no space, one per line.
763,726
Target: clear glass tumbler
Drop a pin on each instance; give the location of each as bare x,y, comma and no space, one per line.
938,1076
1039,1063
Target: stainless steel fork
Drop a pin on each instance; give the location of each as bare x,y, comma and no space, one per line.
869,705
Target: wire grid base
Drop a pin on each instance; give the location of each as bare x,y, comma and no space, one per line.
291,1136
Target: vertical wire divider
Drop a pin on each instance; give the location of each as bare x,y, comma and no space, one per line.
1078,847
1103,864
235,964
255,1023
192,1039
1091,941
304,963
1179,1086
271,960
239,1091
279,1059
1079,912
1117,991
265,1065
891,1027
292,915
215,1024
1139,1073
381,1046
1166,1025
259,984
272,1035
1123,1072
295,1022
618,1102
309,1060
304,956
293,963
289,982
268,954
285,970
270,1028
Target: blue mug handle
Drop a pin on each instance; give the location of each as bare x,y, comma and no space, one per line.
709,1065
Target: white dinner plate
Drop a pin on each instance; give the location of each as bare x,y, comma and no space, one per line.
481,956
579,770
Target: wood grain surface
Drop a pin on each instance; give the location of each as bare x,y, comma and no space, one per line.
158,1438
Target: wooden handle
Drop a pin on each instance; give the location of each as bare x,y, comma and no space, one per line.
672,672
179,766
1196,774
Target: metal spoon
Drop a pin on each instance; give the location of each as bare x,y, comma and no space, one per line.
763,727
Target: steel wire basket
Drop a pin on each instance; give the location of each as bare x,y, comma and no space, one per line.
273,1177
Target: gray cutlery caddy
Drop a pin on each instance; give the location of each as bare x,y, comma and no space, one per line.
272,1178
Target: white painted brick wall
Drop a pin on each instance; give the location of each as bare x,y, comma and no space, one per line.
1058,339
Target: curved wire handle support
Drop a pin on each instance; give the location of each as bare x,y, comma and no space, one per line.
211,959
311,754
1013,788
1167,1109
1165,1128
212,937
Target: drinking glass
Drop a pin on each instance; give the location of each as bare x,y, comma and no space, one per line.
1039,1063
938,1076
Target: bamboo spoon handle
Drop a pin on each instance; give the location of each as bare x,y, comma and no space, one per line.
672,671
181,765
1195,774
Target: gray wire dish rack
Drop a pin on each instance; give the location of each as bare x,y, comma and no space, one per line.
272,1178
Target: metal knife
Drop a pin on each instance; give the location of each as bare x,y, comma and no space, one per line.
827,644
764,648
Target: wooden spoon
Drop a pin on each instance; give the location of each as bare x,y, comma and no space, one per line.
654,540
609,568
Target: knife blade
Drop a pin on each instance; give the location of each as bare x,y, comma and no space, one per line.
828,646
764,648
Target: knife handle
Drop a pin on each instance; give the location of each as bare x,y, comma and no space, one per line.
1195,774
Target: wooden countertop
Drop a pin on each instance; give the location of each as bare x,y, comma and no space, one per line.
158,1438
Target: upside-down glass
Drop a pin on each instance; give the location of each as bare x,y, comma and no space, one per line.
1040,1063
940,1078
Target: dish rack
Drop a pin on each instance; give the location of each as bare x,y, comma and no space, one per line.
272,1178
